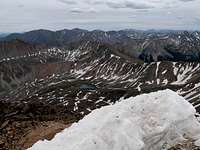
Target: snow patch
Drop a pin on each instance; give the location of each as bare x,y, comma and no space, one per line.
146,122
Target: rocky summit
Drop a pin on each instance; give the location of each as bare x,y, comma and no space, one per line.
64,75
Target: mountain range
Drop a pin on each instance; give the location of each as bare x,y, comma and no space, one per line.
47,75
149,45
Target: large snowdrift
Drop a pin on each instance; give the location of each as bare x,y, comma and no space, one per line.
147,122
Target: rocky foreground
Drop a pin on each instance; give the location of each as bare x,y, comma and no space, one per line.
155,121
20,128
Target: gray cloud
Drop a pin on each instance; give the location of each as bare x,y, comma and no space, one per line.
70,2
79,11
94,2
20,5
21,15
129,4
76,10
196,21
179,17
187,0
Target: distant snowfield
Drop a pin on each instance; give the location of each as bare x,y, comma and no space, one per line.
147,122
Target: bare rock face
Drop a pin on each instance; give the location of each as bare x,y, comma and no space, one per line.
17,47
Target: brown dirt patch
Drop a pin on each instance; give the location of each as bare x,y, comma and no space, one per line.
45,130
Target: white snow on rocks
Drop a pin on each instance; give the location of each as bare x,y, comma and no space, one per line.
147,122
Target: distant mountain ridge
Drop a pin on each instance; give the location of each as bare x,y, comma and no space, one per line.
2,34
148,46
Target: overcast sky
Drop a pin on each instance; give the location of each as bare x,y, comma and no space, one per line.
24,15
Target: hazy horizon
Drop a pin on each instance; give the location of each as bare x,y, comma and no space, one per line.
96,29
23,15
